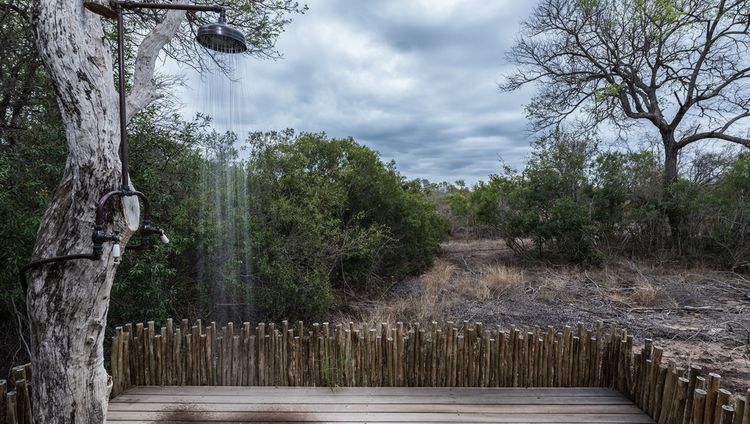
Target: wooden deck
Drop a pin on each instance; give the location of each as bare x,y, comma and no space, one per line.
372,405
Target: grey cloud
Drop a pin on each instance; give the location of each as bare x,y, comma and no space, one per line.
414,80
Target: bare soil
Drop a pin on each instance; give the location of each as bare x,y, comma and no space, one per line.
697,315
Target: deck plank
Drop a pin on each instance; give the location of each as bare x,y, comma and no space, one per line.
423,407
372,405
375,391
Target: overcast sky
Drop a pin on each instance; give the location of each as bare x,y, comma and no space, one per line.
414,80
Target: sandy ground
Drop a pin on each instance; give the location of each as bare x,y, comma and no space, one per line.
698,316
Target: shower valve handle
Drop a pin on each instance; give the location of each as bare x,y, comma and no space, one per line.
101,236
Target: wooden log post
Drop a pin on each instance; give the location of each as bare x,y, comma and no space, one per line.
646,355
722,400
261,353
177,358
593,361
159,359
162,356
726,416
739,409
244,353
567,347
24,407
549,340
649,382
699,406
695,372
11,411
712,394
151,352
115,366
189,359
126,360
504,363
670,384
236,370
654,393
677,414
168,354
530,361
271,349
658,391
3,399
629,383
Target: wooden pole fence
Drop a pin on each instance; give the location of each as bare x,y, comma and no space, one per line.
435,355
446,354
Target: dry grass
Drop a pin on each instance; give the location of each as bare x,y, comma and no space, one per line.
492,282
393,311
444,286
438,277
637,284
646,294
424,305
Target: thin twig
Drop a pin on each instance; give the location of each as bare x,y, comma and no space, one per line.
21,332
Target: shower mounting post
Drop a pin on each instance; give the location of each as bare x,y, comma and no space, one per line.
121,88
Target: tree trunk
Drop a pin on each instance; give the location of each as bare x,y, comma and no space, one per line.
674,217
670,163
68,301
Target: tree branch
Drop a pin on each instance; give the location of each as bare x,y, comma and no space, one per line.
145,90
715,135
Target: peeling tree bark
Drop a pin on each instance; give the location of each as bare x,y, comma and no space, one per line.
68,301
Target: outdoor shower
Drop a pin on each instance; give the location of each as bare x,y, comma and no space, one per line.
219,37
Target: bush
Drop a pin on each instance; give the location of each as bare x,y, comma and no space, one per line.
718,216
580,204
544,209
328,213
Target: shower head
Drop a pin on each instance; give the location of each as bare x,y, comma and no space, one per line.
221,37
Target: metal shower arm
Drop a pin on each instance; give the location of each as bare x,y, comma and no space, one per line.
127,4
109,10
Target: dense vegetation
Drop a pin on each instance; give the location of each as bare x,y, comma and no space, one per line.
581,203
329,213
323,214
323,211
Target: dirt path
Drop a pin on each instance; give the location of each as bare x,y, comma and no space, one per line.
698,316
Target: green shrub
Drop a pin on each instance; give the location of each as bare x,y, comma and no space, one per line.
575,202
328,212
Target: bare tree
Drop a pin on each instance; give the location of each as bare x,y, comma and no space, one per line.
680,65
68,301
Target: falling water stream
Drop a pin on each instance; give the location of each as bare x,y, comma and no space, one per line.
225,255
